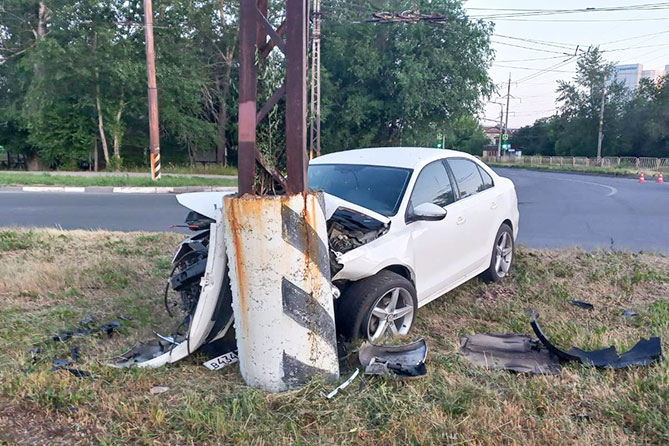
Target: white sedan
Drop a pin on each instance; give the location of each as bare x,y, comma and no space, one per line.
407,225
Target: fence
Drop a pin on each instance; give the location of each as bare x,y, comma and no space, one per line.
623,162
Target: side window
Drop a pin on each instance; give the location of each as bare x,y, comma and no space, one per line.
467,176
433,186
487,179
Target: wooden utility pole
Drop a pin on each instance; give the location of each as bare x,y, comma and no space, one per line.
154,136
600,137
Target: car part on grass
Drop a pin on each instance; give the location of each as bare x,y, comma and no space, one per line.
645,352
515,352
205,299
581,304
343,385
107,328
402,361
76,372
630,313
157,390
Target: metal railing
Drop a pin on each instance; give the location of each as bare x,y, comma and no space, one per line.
623,162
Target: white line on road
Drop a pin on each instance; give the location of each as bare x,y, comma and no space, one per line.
612,190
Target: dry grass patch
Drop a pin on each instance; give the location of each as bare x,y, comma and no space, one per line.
49,280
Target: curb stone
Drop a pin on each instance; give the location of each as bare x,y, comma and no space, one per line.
118,190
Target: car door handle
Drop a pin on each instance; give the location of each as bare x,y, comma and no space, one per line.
461,221
493,205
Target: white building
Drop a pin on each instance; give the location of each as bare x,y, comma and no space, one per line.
630,75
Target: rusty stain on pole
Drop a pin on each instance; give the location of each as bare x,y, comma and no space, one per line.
296,96
154,136
247,96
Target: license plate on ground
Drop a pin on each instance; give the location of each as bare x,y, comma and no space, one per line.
222,361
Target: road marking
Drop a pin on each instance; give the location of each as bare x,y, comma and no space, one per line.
612,190
53,189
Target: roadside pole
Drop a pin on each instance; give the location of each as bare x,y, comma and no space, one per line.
276,237
154,136
600,137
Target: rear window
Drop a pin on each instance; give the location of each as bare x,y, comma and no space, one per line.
378,188
467,176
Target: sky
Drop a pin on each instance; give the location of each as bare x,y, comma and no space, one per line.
626,37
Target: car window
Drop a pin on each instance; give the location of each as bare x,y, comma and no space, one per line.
378,188
467,176
433,186
487,179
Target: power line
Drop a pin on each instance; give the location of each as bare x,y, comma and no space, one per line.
532,69
530,48
546,70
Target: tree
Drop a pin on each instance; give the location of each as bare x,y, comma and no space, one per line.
394,84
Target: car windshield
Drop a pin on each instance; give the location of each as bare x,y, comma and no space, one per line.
377,188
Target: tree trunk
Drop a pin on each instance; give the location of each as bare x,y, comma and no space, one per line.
101,126
118,133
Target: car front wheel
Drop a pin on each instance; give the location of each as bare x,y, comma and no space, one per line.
502,255
380,306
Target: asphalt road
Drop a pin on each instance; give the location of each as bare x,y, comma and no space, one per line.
556,210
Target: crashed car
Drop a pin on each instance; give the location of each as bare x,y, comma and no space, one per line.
405,226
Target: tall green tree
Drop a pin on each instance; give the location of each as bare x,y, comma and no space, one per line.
396,84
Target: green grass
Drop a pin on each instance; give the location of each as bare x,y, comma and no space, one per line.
51,279
612,171
18,179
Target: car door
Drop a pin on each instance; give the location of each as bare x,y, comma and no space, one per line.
477,208
437,245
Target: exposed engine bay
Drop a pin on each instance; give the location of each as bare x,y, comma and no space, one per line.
348,230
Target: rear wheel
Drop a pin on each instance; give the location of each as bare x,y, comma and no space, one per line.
502,255
380,306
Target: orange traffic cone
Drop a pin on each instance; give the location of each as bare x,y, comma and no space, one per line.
660,179
642,178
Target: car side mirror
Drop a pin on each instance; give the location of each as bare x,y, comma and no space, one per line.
428,212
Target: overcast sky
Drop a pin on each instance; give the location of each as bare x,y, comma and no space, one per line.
624,35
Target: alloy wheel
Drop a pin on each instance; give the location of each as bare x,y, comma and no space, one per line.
503,254
391,315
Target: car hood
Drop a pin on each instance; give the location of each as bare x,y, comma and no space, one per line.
209,204
332,203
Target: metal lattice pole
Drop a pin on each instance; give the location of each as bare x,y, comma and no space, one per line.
315,127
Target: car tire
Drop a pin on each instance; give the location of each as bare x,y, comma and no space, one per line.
361,309
503,255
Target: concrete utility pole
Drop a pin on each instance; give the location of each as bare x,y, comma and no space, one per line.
600,137
154,136
315,128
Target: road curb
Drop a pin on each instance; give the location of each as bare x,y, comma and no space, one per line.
118,190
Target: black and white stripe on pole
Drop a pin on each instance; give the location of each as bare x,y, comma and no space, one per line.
282,295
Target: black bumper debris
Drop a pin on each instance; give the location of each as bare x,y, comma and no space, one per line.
645,352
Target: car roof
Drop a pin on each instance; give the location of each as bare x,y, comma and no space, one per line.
405,157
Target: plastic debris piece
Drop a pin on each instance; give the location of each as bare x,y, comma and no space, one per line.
88,320
630,313
400,360
581,304
61,362
343,385
158,390
74,353
109,327
515,352
645,352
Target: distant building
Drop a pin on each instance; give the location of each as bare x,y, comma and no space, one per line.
630,75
